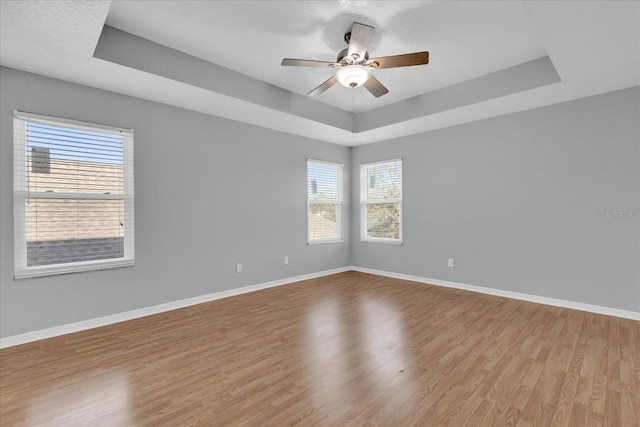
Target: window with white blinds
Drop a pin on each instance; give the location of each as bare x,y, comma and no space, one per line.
381,202
73,196
324,197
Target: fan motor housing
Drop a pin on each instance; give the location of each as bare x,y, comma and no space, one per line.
348,61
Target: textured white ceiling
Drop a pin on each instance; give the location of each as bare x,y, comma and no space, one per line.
253,37
594,46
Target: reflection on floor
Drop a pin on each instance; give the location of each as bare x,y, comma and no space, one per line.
351,348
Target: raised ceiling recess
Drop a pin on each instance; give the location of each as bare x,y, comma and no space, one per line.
486,58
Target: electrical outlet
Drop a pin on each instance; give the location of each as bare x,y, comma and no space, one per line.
286,260
450,262
239,267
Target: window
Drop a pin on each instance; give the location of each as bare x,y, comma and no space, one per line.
324,197
73,193
381,202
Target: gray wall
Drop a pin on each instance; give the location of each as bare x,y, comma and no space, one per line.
543,202
210,192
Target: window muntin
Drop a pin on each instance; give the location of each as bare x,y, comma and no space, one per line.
324,202
73,188
381,202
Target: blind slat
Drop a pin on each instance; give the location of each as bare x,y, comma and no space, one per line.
324,196
381,201
74,196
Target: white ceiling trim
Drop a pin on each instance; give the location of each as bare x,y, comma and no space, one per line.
593,45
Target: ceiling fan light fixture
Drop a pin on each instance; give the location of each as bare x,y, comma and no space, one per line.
353,75
354,65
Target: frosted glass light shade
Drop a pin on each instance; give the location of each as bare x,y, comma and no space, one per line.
353,75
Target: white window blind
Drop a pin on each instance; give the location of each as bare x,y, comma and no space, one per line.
324,196
73,196
381,202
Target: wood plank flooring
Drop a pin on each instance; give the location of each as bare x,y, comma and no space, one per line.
350,349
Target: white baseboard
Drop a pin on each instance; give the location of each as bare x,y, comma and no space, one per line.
627,314
173,305
155,309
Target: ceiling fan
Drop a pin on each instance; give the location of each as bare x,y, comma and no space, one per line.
354,65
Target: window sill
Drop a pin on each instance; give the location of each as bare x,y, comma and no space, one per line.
394,242
322,242
70,268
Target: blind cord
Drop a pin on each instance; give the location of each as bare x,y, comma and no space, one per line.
29,162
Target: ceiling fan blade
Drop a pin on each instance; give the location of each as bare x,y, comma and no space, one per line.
307,63
360,37
324,86
376,88
406,60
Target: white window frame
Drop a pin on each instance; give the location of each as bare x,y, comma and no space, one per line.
339,203
22,194
364,202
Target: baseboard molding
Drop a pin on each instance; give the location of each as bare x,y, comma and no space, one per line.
626,314
174,305
155,309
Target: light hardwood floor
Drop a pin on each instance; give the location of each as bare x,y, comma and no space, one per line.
349,349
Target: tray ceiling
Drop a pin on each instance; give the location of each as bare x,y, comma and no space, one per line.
223,57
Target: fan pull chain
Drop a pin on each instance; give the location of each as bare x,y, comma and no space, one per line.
353,114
